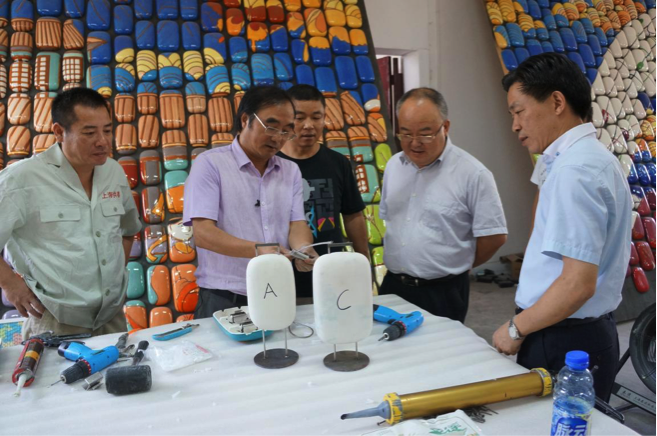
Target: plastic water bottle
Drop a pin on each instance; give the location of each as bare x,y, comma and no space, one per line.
574,397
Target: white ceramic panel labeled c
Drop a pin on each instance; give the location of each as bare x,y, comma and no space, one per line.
342,294
271,291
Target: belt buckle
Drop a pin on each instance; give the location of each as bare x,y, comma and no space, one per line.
417,283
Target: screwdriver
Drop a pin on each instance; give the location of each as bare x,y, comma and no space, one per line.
27,364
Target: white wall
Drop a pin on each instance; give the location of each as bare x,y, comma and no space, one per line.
455,49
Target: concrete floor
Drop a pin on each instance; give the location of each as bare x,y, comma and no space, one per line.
490,306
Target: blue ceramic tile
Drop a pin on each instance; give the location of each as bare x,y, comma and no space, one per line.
166,9
326,80
98,15
365,69
278,36
521,54
524,5
168,37
602,38
237,46
644,176
346,71
650,4
548,19
543,3
575,57
321,56
143,9
74,8
194,88
530,33
534,10
257,35
123,22
298,32
262,69
501,31
587,55
171,75
191,36
594,44
217,80
561,21
633,178
4,12
285,85
542,34
193,65
305,75
588,25
99,48
214,49
356,96
124,50
652,169
299,51
241,76
645,101
145,35
49,8
360,49
211,16
598,61
283,66
371,97
515,35
146,88
580,34
189,9
509,59
534,47
340,46
99,78
22,9
591,74
568,38
557,43
124,78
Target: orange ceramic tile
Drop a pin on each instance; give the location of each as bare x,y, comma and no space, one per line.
172,110
149,131
220,114
292,5
124,108
135,315
18,141
333,119
353,112
354,17
41,143
296,25
255,10
159,285
186,317
130,169
172,138
334,12
73,39
152,203
160,316
315,22
234,21
237,99
48,34
19,108
185,289
198,130
377,127
125,138
42,108
181,242
20,76
221,139
3,81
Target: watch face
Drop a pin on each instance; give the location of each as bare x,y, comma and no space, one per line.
513,332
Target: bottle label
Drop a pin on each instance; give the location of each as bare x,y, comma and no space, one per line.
568,424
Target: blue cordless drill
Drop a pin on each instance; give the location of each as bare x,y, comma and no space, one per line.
400,324
87,361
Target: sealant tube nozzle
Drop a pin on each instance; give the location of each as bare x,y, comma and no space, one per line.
382,410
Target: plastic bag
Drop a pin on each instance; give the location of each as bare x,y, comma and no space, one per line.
183,354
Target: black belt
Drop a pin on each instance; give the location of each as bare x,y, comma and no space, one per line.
572,322
414,281
228,295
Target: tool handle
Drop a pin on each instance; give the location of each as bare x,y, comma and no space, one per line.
385,314
412,321
28,361
167,336
139,354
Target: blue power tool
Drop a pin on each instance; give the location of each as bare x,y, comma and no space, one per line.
87,361
400,324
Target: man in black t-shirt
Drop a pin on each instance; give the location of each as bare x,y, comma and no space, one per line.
330,187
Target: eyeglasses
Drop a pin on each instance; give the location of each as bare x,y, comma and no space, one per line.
422,139
272,131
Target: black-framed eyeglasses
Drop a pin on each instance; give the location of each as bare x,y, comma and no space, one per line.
422,139
273,131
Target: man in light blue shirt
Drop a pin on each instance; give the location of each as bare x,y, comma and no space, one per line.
577,256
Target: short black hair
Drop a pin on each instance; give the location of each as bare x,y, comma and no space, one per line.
306,93
257,98
63,107
541,75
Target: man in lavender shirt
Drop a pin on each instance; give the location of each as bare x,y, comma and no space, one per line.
242,195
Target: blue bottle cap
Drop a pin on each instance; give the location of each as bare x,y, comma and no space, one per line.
577,360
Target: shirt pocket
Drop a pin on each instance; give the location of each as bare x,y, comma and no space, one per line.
442,219
112,212
59,223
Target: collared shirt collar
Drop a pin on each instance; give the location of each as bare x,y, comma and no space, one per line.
55,156
446,151
563,142
243,160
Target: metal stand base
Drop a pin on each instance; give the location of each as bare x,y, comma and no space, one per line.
276,358
346,361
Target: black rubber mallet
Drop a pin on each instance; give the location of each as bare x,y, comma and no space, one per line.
130,379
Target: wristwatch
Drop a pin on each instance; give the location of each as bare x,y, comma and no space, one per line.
513,331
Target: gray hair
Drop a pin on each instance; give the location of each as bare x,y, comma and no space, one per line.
425,93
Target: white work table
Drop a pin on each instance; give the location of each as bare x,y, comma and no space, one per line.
229,394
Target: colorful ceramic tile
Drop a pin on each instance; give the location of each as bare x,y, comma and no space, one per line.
258,37
521,54
150,167
217,80
292,5
602,38
185,289
42,111
198,130
19,108
255,10
320,51
135,315
283,66
159,293
123,22
526,24
160,315
99,78
71,85
18,141
4,14
166,9
168,38
99,48
326,81
262,69
278,36
145,35
359,142
337,141
334,11
174,183
147,98
172,109
568,38
191,36
48,35
21,46
376,125
365,69
300,52
382,155
534,47
175,157
354,17
548,19
149,132
547,47
285,85
220,114
509,59
73,35
170,71
136,286
241,76
146,65
218,140
214,48
74,8
304,75
296,25
124,108
315,22
143,9
125,138
237,99
195,100
334,121
47,71
189,9
20,74
371,99
339,38
212,17
515,35
98,15
22,15
193,65
275,11
41,143
152,202
4,45
131,170
368,184
238,51
136,249
358,42
501,37
124,51
234,22
3,81
346,71
352,109
172,138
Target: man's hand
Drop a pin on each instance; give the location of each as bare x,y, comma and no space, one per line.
308,264
23,298
503,342
272,249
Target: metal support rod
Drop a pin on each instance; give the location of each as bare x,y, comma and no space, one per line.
356,350
335,352
285,342
264,345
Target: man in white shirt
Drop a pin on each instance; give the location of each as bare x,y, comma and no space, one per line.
442,210
577,256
